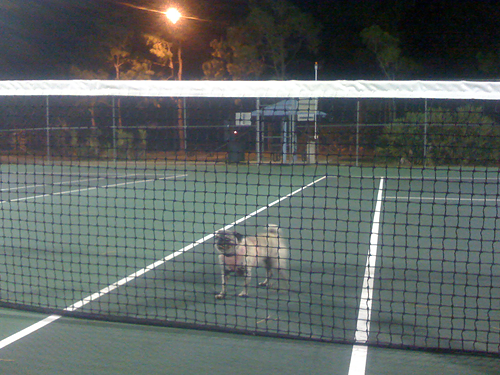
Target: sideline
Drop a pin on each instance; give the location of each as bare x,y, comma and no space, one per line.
360,350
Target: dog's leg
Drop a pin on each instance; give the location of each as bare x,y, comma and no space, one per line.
282,274
269,267
225,277
268,279
248,278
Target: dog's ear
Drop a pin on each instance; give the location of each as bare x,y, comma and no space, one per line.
238,236
273,230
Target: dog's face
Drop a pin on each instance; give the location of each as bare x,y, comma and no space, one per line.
226,241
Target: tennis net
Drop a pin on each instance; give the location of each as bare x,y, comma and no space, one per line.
115,195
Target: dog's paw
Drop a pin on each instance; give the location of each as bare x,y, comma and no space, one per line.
220,296
243,294
264,283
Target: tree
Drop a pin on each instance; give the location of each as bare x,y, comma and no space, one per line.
231,58
387,51
117,51
273,34
162,50
121,53
461,136
489,62
89,74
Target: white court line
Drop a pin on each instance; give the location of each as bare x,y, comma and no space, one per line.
360,352
25,187
465,180
451,199
91,188
35,327
25,332
67,182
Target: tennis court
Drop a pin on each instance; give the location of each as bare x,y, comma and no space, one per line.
132,243
385,192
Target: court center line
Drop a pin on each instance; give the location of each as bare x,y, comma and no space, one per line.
77,305
359,351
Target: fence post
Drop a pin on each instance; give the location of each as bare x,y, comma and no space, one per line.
184,123
257,140
114,127
358,118
47,126
426,121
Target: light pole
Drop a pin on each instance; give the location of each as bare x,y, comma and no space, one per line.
173,15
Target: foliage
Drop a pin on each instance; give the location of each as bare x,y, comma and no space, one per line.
86,144
126,63
231,58
489,62
274,33
120,55
129,145
463,136
162,50
387,51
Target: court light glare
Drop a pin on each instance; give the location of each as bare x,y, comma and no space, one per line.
173,15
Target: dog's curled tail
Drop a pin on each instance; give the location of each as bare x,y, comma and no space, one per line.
273,230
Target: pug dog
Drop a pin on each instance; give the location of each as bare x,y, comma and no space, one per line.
240,254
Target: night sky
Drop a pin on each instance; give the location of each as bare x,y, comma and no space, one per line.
40,39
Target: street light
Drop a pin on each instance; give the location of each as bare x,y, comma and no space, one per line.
173,15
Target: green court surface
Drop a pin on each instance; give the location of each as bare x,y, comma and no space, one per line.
135,243
90,348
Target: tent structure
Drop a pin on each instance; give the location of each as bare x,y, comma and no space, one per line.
287,107
288,112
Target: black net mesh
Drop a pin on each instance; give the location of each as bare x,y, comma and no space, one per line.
119,208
